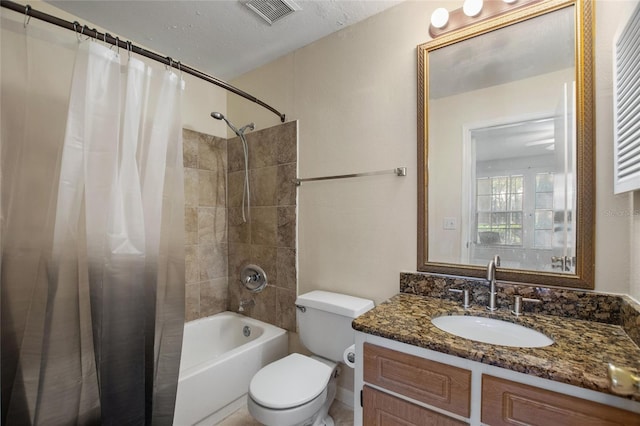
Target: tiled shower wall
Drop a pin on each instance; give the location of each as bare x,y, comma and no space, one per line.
206,251
219,243
268,238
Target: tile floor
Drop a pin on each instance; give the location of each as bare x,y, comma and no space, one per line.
342,415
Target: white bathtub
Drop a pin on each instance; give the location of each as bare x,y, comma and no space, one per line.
218,362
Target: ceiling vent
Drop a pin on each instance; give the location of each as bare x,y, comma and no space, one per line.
272,10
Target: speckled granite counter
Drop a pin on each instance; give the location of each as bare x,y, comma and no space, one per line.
578,357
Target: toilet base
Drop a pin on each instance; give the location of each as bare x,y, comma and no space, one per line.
320,417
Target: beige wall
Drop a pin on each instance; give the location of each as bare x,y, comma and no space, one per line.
354,93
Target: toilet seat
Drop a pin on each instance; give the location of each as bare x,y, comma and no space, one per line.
290,382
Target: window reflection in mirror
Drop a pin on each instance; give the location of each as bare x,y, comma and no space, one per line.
504,149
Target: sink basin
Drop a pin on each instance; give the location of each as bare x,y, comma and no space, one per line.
493,331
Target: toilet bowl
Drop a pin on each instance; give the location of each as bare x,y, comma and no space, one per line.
293,391
298,390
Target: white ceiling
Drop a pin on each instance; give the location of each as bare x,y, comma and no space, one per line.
220,37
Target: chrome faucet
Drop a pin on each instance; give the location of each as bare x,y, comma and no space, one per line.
491,277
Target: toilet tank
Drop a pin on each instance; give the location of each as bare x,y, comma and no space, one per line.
324,321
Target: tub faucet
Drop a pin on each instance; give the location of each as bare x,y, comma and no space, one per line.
246,302
491,277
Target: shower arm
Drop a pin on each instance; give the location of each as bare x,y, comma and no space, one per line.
29,13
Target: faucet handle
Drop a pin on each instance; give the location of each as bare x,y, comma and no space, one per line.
465,293
517,304
496,260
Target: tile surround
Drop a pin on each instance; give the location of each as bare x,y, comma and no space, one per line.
269,240
206,246
219,243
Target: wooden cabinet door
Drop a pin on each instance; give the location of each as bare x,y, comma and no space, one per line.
433,383
381,409
509,403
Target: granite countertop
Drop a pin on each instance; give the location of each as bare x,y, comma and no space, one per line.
579,355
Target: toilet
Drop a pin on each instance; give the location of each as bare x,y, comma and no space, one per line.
298,390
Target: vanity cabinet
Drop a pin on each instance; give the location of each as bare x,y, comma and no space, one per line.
381,408
507,403
430,382
433,383
405,385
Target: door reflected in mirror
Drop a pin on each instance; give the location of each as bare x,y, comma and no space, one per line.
506,148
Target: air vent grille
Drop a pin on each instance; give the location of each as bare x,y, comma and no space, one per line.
627,106
272,10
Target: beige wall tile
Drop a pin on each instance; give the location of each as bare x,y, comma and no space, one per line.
213,296
264,186
286,268
190,225
192,302
235,186
192,266
190,148
212,225
212,153
235,155
238,230
239,256
286,309
287,189
265,308
191,187
211,188
212,261
287,143
286,227
265,257
264,225
263,148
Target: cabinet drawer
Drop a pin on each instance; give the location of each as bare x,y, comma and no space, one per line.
433,383
381,409
508,403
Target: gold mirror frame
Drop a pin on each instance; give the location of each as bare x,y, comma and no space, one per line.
585,159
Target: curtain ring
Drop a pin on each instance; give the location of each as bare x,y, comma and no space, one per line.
170,62
27,17
180,70
129,48
118,45
104,37
75,29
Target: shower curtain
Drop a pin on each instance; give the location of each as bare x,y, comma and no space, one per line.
92,290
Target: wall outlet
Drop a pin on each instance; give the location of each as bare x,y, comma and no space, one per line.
450,223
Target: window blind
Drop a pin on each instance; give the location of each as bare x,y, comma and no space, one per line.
627,106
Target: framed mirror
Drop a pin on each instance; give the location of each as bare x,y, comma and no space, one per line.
505,147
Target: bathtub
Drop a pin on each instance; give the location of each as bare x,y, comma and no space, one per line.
218,362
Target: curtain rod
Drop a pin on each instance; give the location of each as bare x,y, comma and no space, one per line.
29,13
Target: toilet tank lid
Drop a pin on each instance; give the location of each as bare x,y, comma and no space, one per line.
336,303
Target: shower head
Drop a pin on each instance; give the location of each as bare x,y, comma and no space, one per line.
219,116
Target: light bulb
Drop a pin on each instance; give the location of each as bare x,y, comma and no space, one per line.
509,1
472,8
439,17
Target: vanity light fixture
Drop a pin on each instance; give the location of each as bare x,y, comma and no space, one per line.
472,8
439,17
471,12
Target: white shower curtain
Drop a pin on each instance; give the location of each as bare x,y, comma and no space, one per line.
95,334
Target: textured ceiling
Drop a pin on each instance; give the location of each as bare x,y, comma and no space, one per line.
220,37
